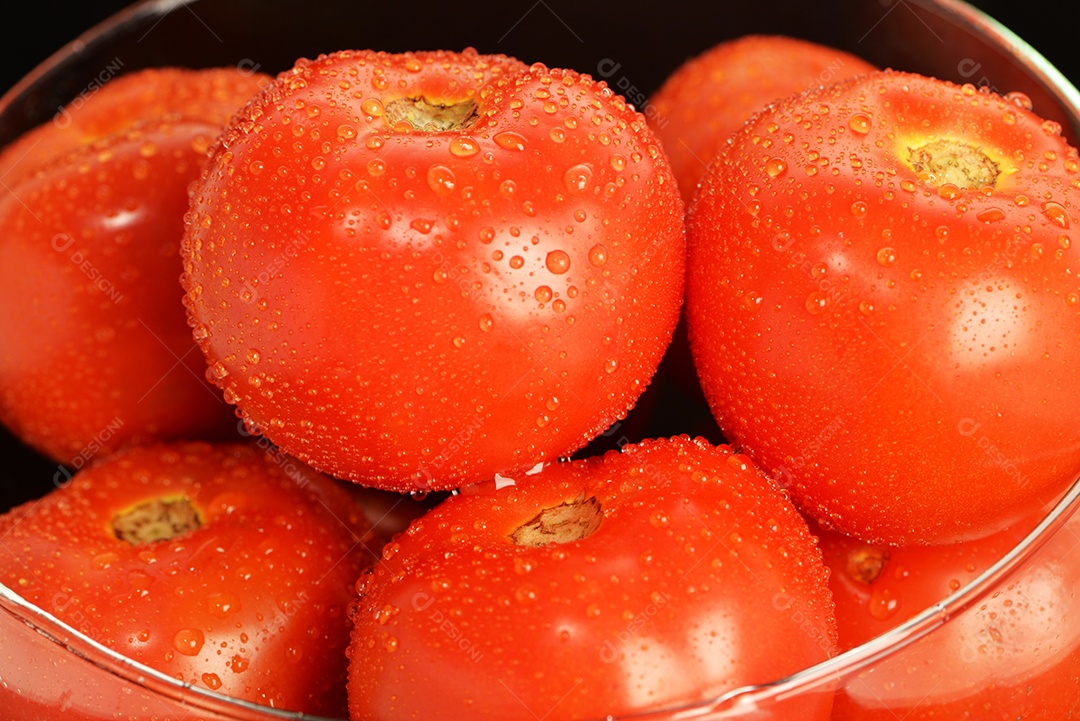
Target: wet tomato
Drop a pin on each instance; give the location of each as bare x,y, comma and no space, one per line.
664,574
712,95
420,270
94,348
884,307
226,567
1010,651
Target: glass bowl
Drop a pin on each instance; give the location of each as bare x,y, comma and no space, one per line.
1005,646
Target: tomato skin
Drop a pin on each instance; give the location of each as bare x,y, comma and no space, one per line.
91,322
95,351
512,285
209,96
712,95
874,341
253,603
872,598
680,593
1012,654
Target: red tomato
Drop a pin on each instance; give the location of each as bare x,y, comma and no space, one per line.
666,574
205,96
884,305
227,567
420,270
876,586
94,348
712,95
1013,653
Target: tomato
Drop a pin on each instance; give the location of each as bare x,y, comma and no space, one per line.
228,567
712,95
206,96
95,351
661,575
884,308
420,270
877,587
1011,653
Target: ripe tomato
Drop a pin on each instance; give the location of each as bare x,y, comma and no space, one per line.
420,270
94,348
227,567
712,95
884,307
876,586
205,96
666,574
1012,653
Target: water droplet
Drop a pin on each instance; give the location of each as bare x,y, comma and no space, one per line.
422,225
509,140
775,167
212,681
487,235
883,604
384,221
909,185
346,132
376,167
507,188
543,294
486,322
1056,213
413,65
866,307
618,162
517,262
886,256
611,365
1072,299
558,262
441,179
577,179
658,519
371,107
859,208
990,215
598,255
463,147
189,641
1021,99
817,302
374,142
949,191
859,123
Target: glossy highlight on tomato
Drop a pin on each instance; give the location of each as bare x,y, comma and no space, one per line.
420,270
665,574
884,309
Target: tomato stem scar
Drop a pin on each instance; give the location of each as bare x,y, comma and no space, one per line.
951,161
159,519
565,523
866,564
423,114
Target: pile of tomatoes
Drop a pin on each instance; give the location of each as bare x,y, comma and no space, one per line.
447,273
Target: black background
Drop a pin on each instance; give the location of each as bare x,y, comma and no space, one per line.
42,27
45,25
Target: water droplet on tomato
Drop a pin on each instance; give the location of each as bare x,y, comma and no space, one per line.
598,255
886,256
422,225
346,132
212,681
990,215
817,302
509,140
486,323
441,179
775,167
543,294
1056,213
859,123
611,365
558,262
189,641
464,147
372,107
859,208
577,179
